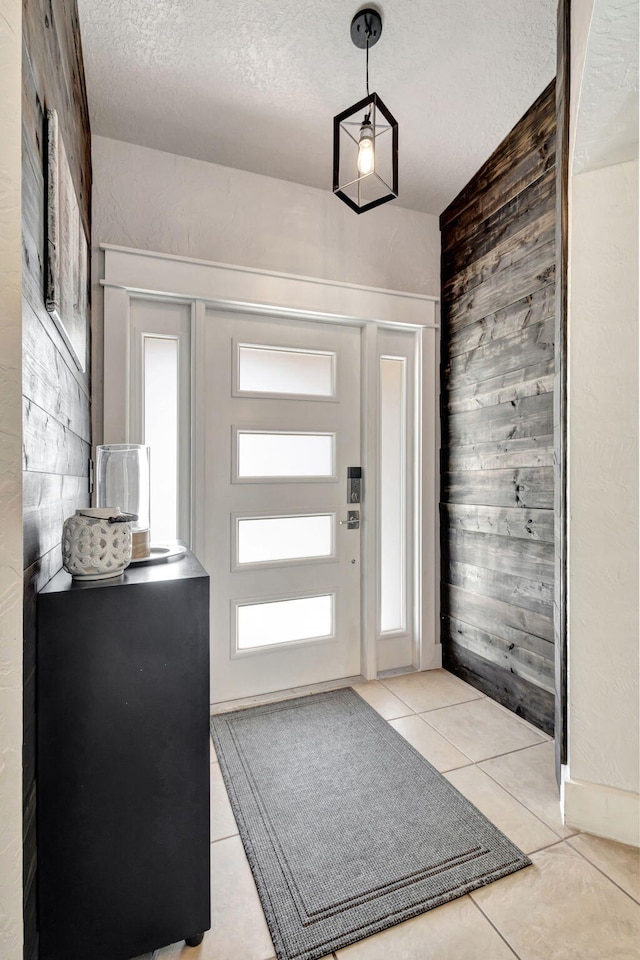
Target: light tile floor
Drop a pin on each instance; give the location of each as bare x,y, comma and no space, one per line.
579,901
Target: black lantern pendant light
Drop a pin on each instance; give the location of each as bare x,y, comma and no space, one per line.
365,136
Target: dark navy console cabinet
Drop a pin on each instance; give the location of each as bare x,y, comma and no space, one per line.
123,762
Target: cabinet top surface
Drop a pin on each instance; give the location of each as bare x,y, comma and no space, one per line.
186,567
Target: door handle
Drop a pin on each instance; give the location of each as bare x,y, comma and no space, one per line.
353,520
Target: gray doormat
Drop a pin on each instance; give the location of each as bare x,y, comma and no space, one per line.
348,830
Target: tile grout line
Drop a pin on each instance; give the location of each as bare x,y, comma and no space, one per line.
463,766
532,812
556,843
417,713
444,737
403,716
599,869
507,713
507,753
525,723
520,803
476,763
483,759
446,706
228,837
491,923
420,717
544,738
231,836
479,695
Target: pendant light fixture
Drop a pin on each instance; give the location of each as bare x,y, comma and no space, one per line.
365,136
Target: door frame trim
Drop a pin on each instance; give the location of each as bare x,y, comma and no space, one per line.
232,288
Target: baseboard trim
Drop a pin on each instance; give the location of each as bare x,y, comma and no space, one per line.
288,694
603,811
228,705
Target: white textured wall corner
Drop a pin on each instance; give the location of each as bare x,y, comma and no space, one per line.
603,483
11,937
609,56
581,15
602,779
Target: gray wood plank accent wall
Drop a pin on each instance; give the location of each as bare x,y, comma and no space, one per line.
56,399
497,369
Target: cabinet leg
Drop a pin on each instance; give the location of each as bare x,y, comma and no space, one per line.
194,941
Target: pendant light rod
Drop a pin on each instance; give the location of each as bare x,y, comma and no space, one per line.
366,30
368,94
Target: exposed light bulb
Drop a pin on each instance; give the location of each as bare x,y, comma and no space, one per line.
366,158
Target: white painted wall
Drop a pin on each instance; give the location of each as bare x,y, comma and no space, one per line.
159,201
602,781
10,483
151,200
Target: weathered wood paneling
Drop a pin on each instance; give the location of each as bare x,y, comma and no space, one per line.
48,378
521,159
505,225
519,626
47,445
48,499
489,455
531,595
504,521
521,558
515,385
531,309
519,350
529,665
529,417
56,402
531,701
500,290
519,487
497,369
502,256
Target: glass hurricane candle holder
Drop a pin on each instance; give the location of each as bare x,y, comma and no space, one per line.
123,478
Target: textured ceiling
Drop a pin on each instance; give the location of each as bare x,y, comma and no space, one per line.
608,111
254,84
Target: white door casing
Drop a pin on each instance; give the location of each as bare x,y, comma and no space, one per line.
210,288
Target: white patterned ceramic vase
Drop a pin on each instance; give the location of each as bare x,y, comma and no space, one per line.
93,547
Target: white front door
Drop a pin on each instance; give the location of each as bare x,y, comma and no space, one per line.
278,428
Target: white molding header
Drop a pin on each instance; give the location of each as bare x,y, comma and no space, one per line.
244,288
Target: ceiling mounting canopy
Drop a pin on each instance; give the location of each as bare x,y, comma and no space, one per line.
366,27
